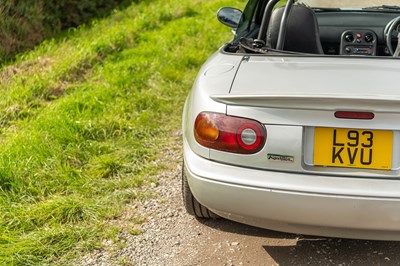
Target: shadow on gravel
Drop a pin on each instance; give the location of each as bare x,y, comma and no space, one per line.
332,251
242,229
310,250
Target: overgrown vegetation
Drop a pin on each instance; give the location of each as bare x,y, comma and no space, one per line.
83,119
24,24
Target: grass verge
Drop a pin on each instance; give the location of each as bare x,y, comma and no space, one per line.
83,118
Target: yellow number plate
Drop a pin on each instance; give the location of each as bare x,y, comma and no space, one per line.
356,148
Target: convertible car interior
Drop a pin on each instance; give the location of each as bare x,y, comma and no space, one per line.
297,27
355,33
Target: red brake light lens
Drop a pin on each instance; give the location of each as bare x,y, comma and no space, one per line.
229,133
354,115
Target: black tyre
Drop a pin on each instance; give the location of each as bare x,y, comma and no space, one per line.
192,206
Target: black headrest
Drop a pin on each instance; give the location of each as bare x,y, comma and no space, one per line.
302,33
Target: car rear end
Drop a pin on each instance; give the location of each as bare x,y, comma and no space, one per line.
328,159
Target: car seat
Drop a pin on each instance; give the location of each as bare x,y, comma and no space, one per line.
302,32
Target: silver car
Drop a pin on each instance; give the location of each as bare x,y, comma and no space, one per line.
294,125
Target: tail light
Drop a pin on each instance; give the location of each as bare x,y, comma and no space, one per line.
354,115
229,133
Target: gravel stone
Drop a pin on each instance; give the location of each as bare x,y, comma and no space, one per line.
165,228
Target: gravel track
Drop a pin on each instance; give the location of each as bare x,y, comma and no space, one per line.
172,237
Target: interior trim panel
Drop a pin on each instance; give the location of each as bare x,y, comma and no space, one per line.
334,24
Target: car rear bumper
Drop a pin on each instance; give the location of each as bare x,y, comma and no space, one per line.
299,203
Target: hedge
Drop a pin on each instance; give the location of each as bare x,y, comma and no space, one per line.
25,23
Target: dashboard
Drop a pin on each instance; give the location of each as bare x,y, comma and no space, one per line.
353,32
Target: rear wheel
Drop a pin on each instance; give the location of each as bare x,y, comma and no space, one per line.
192,206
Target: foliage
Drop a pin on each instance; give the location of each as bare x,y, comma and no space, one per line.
83,119
24,24
72,13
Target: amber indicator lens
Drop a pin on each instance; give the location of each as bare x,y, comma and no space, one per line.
354,115
206,129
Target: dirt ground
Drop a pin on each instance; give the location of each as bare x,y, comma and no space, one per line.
172,237
227,243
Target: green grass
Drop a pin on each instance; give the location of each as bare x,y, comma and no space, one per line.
84,117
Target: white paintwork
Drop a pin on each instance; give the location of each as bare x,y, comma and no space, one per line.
309,204
329,77
290,96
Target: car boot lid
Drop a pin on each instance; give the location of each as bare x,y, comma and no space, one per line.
316,83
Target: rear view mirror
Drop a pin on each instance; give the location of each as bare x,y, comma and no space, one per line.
229,16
